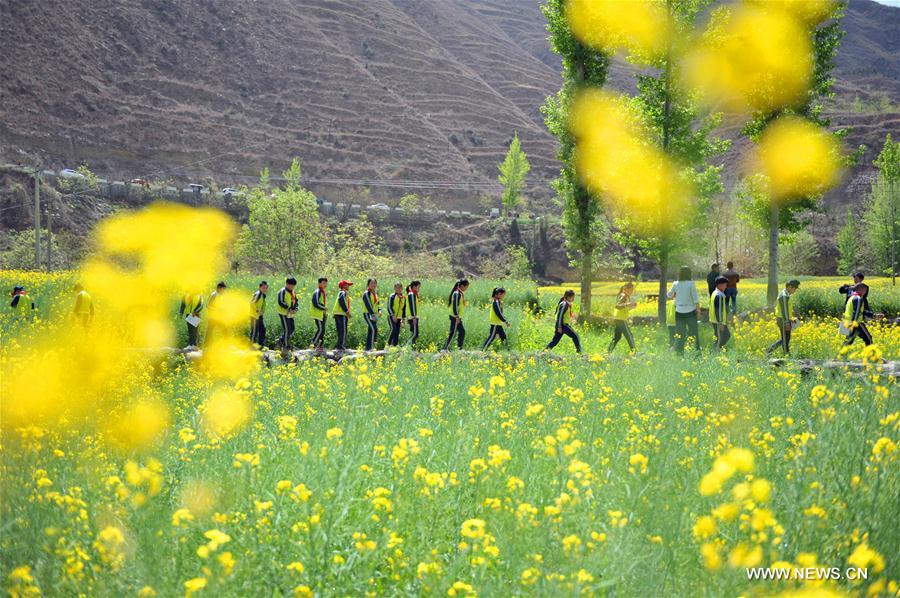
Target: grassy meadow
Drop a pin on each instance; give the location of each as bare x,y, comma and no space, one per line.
460,474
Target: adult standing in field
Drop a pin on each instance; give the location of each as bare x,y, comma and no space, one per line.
855,314
847,289
84,306
711,278
258,313
342,314
371,313
784,317
457,304
286,307
624,305
317,311
687,302
717,313
411,311
396,312
212,327
564,318
496,319
731,290
191,306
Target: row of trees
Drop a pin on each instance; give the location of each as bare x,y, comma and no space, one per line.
872,238
682,129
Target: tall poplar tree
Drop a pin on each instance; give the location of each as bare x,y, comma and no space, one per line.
826,39
582,218
684,132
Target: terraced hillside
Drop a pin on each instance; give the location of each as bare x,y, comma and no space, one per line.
381,89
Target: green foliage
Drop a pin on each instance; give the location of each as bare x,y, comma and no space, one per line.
799,253
410,202
354,251
88,181
283,233
19,252
512,263
513,170
848,245
882,223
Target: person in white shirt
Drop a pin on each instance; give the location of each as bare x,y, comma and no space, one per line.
687,302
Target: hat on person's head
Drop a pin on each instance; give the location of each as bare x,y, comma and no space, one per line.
17,289
794,284
345,283
859,275
721,280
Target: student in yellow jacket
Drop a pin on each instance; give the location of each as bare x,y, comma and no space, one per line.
317,311
286,307
411,311
624,305
497,320
341,314
563,318
257,315
371,313
396,311
855,313
718,315
84,306
784,317
457,304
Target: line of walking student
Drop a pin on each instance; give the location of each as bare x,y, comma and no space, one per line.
403,306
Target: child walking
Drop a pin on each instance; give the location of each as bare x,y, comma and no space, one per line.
717,313
371,312
342,314
624,305
317,311
496,319
396,309
784,317
563,317
457,304
411,311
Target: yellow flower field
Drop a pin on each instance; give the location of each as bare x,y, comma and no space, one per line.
127,471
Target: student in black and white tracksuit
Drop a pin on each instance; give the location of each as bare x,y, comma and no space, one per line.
371,312
497,319
396,310
563,317
287,309
318,312
341,314
457,304
411,311
258,311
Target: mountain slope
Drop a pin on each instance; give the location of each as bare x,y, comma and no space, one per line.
415,90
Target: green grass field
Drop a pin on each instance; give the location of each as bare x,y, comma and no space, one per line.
507,474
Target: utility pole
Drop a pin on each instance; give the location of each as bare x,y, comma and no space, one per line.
37,218
49,235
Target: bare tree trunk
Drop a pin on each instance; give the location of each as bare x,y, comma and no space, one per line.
772,288
663,283
587,276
